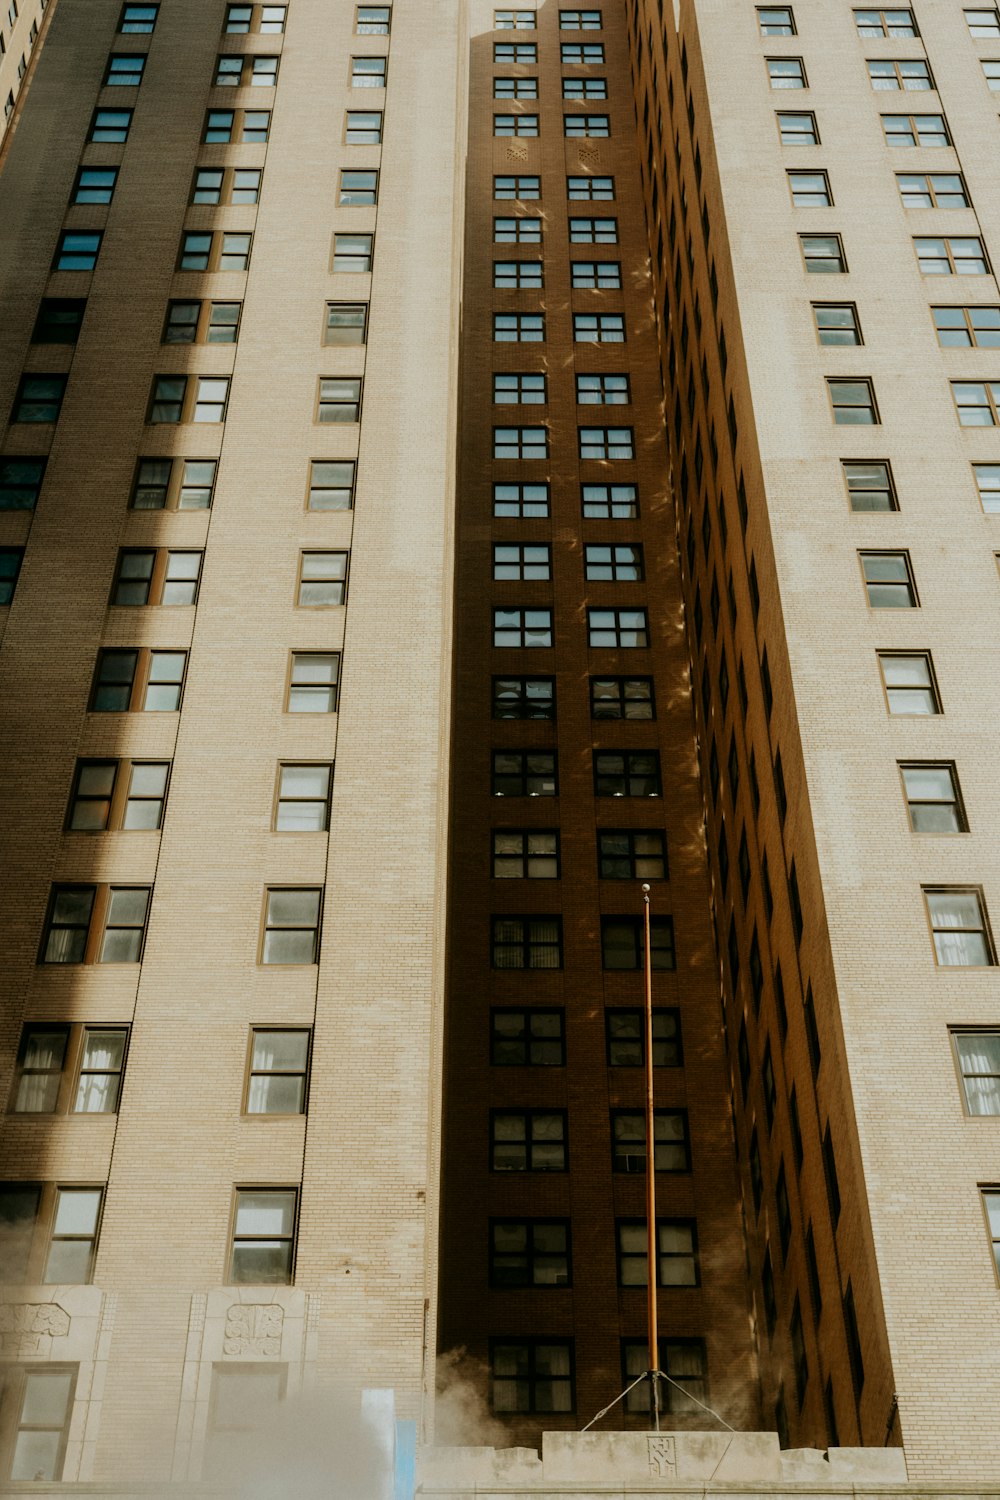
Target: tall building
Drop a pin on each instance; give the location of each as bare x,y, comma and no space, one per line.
426,515
21,27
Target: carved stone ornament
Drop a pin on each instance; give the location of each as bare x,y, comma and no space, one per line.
253,1329
662,1457
23,1325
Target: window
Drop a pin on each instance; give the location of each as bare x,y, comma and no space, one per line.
521,125
529,628
631,854
978,1054
338,399
910,687
593,231
775,20
601,275
985,23
622,698
603,390
797,129
987,477
869,484
967,327
671,1152
303,798
77,251
524,698
837,323
522,560
113,794
527,189
524,773
618,629
626,1038
518,390
932,190
358,189
627,773
933,797
69,1069
532,1375
810,189
10,567
515,88
527,1140
888,580
527,1038
585,88
596,189
95,924
991,72
515,274
951,257
518,328
362,127
684,1360
368,72
610,502
179,398
322,579
94,185
138,18
573,54
174,484
915,130
38,1404
39,398
330,485
676,1252
241,19
252,70
346,323
520,442
912,76
958,923
513,20
786,72
249,126
822,253
526,942
523,501
373,20
156,576
853,402
613,443
312,682
202,322
976,402
623,943
263,1244
276,1077
352,253
885,23
214,252
529,1252
515,52
138,681
110,125
517,231
586,125
124,70
232,185
525,854
580,20
291,925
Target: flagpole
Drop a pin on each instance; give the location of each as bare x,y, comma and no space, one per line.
651,1245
